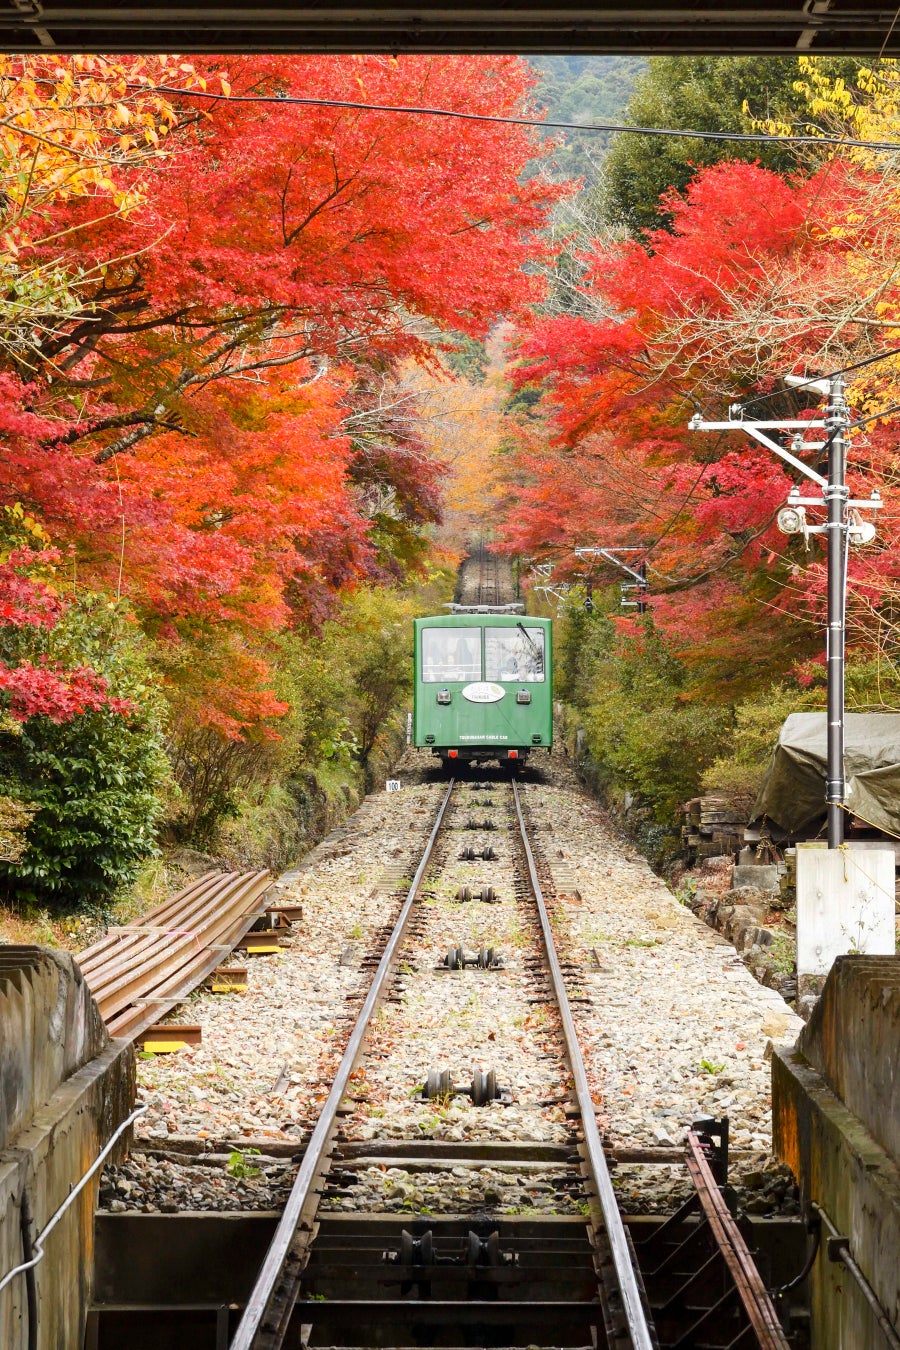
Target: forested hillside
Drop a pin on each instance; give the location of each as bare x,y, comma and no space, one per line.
584,89
705,275
218,471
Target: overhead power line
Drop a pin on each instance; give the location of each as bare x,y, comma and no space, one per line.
814,379
539,122
872,417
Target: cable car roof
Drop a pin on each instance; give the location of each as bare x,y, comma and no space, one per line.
486,609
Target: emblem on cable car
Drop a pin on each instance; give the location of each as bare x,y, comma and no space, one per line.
484,692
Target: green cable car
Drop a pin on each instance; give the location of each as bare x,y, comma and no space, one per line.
483,684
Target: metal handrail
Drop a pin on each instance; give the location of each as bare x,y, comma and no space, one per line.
76,1190
632,1303
316,1151
838,1250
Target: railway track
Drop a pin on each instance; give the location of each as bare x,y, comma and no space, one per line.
342,1271
485,578
489,579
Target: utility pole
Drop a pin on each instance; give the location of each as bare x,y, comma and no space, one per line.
836,495
642,588
841,528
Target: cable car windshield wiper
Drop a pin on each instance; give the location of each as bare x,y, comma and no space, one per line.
538,651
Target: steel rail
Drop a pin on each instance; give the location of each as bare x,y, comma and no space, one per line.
139,972
752,1292
253,1325
641,1336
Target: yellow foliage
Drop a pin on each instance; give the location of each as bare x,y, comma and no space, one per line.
462,421
60,128
61,138
19,530
866,113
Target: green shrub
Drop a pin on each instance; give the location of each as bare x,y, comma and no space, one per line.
647,730
92,782
346,687
740,768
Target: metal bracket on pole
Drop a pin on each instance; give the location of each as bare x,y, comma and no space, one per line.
758,431
639,574
559,590
787,456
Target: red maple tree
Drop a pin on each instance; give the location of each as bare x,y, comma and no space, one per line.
189,430
755,278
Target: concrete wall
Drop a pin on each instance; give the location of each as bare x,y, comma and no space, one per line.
853,1041
835,1108
49,1027
64,1088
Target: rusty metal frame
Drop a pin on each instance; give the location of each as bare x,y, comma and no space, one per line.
640,1333
266,1317
748,1282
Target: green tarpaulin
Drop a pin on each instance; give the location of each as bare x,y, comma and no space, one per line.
793,793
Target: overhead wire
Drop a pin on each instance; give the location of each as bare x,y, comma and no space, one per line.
692,133
872,417
592,127
680,133
814,379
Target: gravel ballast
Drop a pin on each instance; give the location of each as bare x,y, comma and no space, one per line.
673,1026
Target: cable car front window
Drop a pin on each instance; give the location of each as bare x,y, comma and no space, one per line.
514,654
451,654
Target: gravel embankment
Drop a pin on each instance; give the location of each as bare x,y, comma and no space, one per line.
675,1027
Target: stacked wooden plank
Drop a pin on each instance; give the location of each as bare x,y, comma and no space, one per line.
713,827
140,971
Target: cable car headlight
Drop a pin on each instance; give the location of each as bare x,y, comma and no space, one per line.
444,696
523,695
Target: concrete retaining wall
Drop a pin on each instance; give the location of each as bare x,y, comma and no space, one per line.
835,1101
853,1040
64,1088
